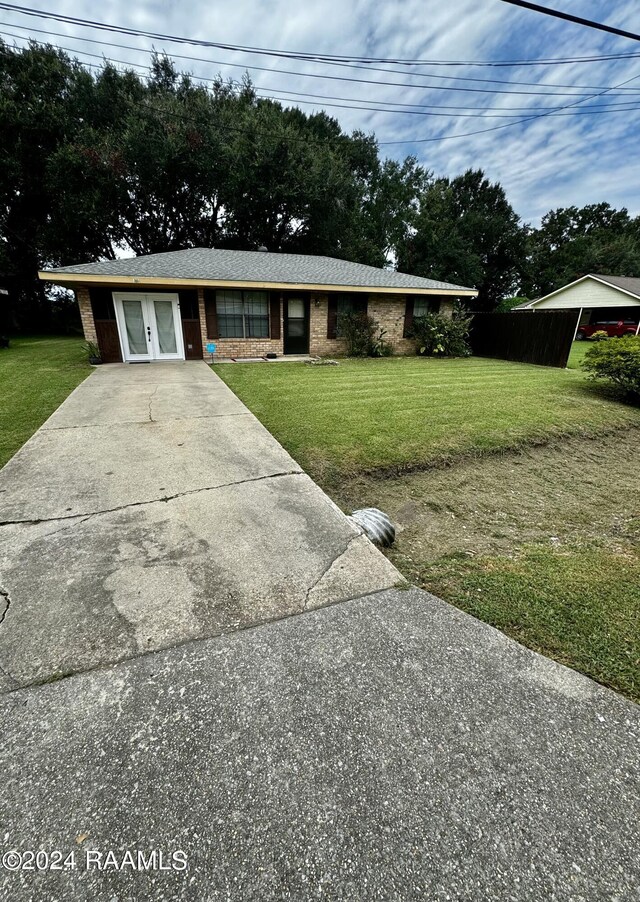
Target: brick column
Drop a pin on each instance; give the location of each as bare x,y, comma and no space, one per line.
203,321
86,314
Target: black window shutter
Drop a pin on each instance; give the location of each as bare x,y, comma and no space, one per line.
360,304
211,313
332,318
274,315
408,318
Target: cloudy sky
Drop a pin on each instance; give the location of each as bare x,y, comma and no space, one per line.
585,152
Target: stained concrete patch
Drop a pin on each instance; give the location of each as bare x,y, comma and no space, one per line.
388,748
71,472
152,509
108,399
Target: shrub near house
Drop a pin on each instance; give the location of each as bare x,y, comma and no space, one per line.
441,336
618,362
363,335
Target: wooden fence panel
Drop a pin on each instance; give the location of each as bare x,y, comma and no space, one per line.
543,337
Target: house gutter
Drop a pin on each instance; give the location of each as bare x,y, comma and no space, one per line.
71,279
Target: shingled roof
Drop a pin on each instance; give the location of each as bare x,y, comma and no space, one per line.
212,265
626,283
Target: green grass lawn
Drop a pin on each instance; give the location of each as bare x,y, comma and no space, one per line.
36,375
410,412
578,351
578,604
532,540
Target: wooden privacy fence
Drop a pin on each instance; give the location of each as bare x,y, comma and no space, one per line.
542,337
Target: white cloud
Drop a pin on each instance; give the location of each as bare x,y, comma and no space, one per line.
553,161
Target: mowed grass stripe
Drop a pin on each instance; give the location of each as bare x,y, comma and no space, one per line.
406,413
36,375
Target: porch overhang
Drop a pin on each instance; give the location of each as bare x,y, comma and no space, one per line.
71,280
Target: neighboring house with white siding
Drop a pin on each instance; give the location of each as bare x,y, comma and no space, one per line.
589,293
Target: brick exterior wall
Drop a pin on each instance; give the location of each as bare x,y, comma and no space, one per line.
446,307
319,344
387,310
389,313
239,347
86,314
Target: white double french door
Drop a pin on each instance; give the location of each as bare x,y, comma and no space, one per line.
149,326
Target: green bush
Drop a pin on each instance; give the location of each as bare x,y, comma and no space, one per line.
363,335
442,336
507,304
617,361
598,335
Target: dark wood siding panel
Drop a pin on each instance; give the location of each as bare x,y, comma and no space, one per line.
102,303
192,339
188,303
104,317
108,341
408,318
190,316
211,313
332,318
274,315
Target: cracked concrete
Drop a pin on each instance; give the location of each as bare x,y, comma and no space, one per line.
165,498
388,748
153,509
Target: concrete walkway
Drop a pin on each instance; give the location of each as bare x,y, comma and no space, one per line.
386,748
153,508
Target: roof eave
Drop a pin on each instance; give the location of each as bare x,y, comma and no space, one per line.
70,279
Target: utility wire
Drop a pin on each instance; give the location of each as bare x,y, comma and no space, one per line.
553,111
569,17
200,59
386,84
286,54
508,124
348,102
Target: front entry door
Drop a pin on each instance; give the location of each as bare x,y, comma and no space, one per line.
149,326
296,325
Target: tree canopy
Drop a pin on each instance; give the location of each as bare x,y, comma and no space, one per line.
94,165
466,232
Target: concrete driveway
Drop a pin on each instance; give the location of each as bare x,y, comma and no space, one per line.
153,508
386,748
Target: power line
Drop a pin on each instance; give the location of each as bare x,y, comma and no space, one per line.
366,81
496,128
285,54
348,102
568,17
200,59
520,121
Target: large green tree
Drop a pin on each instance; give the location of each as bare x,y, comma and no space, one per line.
108,163
466,232
38,95
572,242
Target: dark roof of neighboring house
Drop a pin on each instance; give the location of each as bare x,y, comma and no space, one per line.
625,282
219,265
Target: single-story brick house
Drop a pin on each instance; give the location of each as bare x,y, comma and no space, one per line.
250,303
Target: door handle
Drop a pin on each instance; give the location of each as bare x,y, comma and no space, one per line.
148,333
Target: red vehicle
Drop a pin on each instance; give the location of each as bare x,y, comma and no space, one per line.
615,328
